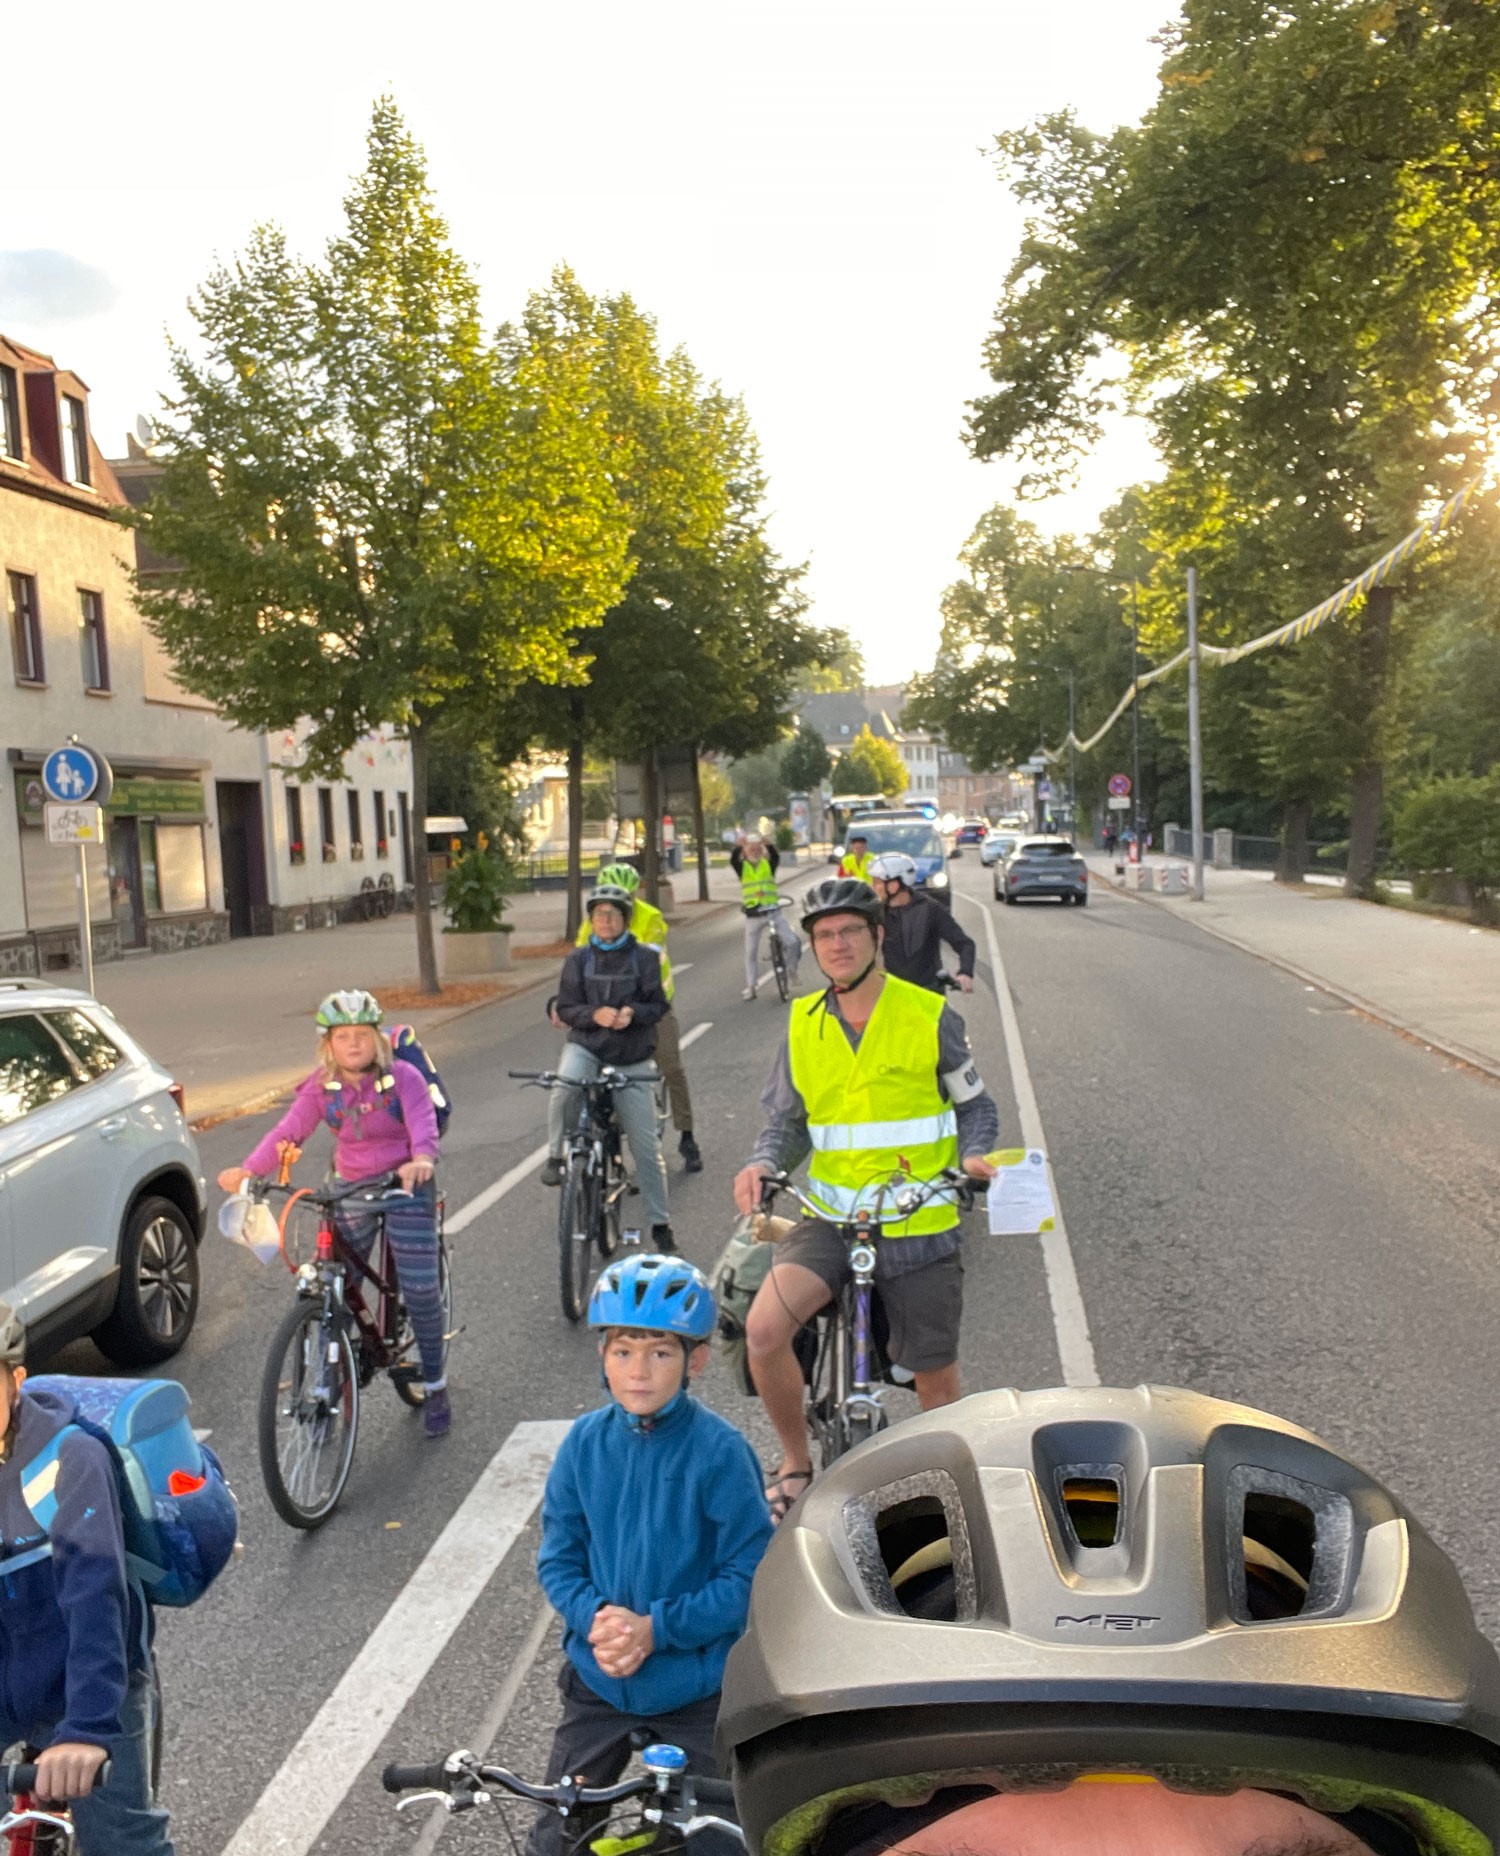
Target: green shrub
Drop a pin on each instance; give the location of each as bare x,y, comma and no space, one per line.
786,838
479,880
1454,825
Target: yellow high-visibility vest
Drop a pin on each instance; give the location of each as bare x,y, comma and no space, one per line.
758,884
649,926
857,866
877,1111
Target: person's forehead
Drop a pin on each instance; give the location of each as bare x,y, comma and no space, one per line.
845,917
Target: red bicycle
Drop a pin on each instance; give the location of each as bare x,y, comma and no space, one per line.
31,1829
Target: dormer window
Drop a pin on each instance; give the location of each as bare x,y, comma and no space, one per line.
75,440
10,413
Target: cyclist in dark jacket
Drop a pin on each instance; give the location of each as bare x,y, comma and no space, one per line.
916,928
76,1676
611,999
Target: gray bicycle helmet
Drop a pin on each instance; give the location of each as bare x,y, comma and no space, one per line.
610,892
12,1337
841,895
1027,1587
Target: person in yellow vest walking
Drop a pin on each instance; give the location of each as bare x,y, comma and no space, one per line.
755,863
856,859
649,926
875,1076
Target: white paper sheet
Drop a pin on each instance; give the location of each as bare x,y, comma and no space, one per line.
1020,1195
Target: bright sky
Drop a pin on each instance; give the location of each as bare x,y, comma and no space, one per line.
797,189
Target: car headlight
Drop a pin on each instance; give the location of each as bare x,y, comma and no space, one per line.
938,880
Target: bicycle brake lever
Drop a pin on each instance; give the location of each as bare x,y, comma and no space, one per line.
445,1799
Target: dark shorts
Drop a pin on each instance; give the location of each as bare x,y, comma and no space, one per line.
923,1306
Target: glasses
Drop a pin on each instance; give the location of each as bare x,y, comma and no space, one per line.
839,937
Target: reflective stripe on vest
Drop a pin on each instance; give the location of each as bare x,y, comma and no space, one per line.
758,885
878,1111
649,926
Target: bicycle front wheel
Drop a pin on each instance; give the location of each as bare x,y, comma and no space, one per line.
608,1192
406,1374
309,1415
778,963
575,1236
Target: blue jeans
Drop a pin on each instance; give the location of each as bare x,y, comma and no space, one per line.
122,1818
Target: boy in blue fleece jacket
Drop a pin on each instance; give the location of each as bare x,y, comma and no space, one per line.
653,1525
76,1676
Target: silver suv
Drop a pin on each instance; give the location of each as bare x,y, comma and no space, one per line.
102,1197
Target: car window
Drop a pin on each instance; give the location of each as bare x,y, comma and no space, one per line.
1048,847
97,1053
915,840
33,1068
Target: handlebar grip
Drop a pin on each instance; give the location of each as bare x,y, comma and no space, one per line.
398,1778
712,1791
526,1076
20,1776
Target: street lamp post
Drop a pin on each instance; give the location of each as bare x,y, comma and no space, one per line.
1135,706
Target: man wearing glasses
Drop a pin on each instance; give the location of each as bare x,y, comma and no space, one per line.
874,1079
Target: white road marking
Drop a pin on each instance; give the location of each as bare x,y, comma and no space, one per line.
692,1037
492,1195
1075,1346
489,1732
686,966
346,1732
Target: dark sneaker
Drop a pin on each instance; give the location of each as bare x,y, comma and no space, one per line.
437,1413
662,1240
692,1160
552,1171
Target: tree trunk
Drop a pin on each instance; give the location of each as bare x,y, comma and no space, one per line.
1368,784
574,914
651,806
700,831
1291,859
427,965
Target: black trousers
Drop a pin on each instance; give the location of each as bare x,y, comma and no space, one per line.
594,1742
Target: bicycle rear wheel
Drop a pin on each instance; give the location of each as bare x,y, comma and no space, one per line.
406,1374
575,1233
309,1415
778,966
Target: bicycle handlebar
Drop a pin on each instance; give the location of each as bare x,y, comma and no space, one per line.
20,1776
464,1770
912,1196
387,1185
608,1078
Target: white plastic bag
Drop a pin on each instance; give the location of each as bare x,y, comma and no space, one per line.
249,1222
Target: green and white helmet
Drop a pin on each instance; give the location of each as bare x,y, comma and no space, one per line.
621,876
349,1008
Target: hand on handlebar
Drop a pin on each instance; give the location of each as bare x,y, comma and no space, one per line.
748,1184
232,1178
977,1167
67,1770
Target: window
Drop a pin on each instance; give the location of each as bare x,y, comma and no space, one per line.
10,413
295,843
75,440
325,824
96,1054
381,848
356,825
25,629
95,650
33,1069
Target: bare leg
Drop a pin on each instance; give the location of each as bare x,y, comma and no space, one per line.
788,1297
939,1388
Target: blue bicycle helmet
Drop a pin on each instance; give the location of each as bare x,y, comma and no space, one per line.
662,1294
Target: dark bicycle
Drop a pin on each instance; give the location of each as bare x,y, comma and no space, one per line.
348,1324
777,951
845,1366
670,1813
594,1179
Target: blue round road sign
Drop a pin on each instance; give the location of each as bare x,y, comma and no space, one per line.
75,775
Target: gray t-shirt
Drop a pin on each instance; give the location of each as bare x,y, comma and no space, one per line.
785,1143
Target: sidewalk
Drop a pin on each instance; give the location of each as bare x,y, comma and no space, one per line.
234,1024
1435,979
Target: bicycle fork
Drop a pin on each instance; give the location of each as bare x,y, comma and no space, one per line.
859,1398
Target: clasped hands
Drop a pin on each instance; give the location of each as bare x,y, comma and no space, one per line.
613,1017
621,1640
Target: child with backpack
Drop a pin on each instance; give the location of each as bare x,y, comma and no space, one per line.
653,1524
76,1624
384,1106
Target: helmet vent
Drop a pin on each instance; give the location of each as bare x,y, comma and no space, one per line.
1290,1547
1093,1501
911,1549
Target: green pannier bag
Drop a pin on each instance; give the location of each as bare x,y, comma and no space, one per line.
737,1276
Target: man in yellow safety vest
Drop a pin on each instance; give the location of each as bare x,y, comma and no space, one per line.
875,1078
856,859
755,863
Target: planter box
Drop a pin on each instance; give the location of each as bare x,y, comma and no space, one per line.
467,955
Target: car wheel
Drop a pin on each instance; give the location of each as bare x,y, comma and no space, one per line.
1082,899
157,1301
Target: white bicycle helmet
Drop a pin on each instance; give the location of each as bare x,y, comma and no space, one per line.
895,867
355,1007
1027,1588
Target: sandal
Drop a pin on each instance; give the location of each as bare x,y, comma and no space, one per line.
780,1496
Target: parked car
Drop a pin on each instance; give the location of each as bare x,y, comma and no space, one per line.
1043,867
997,846
920,840
102,1196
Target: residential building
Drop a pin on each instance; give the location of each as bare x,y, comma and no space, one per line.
919,751
199,827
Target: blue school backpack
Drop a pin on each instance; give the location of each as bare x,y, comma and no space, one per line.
180,1516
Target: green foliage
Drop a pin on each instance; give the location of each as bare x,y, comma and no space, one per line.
805,760
786,838
757,784
842,667
1453,824
479,880
870,764
718,795
468,781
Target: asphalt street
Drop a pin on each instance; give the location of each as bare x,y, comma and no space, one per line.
1266,1197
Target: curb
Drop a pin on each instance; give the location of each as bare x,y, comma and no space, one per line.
1456,1053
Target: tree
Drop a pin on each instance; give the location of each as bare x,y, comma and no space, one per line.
1453,825
717,795
1291,261
843,667
870,765
757,785
376,516
805,760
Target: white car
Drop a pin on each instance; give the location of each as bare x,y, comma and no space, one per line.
997,846
102,1195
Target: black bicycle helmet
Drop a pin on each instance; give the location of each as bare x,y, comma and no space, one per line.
841,895
612,893
1027,1587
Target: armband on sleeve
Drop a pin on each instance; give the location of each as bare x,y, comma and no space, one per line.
963,1085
